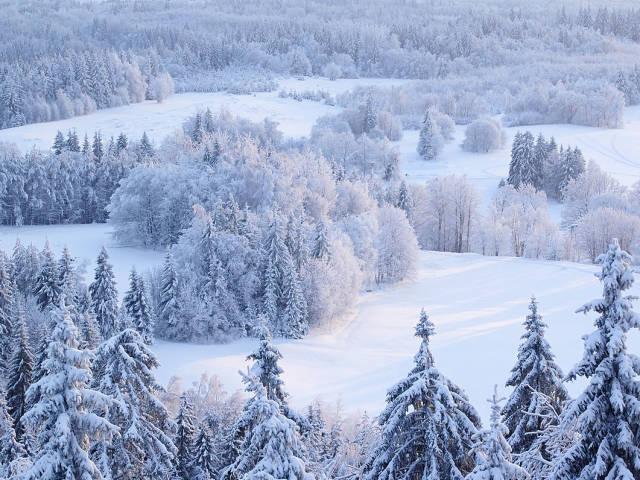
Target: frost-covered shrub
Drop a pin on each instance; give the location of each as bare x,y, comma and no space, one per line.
484,135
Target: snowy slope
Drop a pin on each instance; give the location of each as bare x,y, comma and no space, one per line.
477,304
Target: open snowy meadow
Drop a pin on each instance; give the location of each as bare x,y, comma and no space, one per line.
477,303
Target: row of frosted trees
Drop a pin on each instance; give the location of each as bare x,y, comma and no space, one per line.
92,412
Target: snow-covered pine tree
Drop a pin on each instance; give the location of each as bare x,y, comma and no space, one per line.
204,448
137,307
121,143
146,149
6,312
41,352
370,116
58,143
322,249
143,449
430,142
541,155
184,439
404,201
96,147
73,142
271,448
65,411
89,335
104,296
67,277
19,373
10,449
608,411
492,452
267,370
47,287
296,319
523,167
427,425
570,166
86,146
535,372
168,314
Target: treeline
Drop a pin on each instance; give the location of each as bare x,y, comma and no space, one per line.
120,422
115,53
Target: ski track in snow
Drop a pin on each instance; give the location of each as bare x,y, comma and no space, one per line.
477,303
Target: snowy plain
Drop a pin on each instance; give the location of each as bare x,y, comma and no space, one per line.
477,303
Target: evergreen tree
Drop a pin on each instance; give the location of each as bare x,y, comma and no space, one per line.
19,374
608,411
6,312
11,449
184,438
370,116
427,425
143,450
404,201
523,167
570,166
207,157
204,448
492,452
207,122
73,142
296,320
89,335
168,305
535,373
104,296
271,448
430,142
47,286
321,250
59,144
198,131
121,144
541,155
137,307
146,149
67,277
86,146
66,409
41,352
97,148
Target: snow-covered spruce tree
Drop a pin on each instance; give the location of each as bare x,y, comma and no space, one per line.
427,425
19,374
370,116
430,142
41,352
67,277
168,314
492,452
535,372
204,451
143,449
59,143
608,409
404,201
523,167
184,439
89,336
65,411
569,167
6,312
271,449
10,449
267,370
137,307
322,249
104,296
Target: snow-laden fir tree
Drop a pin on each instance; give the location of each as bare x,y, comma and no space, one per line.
271,449
569,167
86,146
137,307
535,372
168,314
427,425
66,409
73,142
321,249
430,142
96,147
89,335
608,411
47,286
19,373
104,296
370,116
143,449
492,452
404,201
6,312
11,450
523,167
67,277
58,143
122,142
41,352
184,439
204,451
